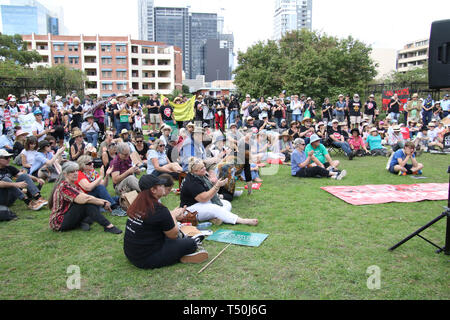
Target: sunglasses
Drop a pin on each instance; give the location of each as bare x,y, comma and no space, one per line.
139,141
162,145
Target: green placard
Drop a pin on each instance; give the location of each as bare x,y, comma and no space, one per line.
124,118
238,237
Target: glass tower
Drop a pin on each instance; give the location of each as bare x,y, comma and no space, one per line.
291,15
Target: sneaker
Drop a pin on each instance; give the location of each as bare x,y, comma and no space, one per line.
199,256
42,200
36,205
119,212
341,175
350,156
401,173
198,238
237,194
113,230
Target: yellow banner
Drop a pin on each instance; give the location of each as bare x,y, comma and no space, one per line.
184,111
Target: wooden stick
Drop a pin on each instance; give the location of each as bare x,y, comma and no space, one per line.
214,259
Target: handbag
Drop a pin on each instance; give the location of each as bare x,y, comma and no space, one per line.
190,217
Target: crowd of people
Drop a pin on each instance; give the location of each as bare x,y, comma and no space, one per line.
81,145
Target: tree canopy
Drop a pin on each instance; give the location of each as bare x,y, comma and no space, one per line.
12,49
305,62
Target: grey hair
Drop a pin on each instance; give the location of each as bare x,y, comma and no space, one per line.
83,160
67,167
298,142
194,162
123,148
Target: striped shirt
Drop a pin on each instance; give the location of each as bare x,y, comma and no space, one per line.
63,198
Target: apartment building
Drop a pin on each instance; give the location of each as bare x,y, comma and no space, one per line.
413,55
113,64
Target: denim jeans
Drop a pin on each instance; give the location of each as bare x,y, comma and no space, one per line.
122,125
394,116
9,195
232,117
92,138
344,146
426,116
101,193
297,117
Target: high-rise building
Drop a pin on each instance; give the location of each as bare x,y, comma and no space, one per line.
413,55
27,17
171,26
189,31
291,15
203,28
146,20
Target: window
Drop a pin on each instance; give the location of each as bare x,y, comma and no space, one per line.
107,74
121,86
74,60
59,60
106,60
121,74
73,47
58,47
121,48
121,60
107,86
106,48
89,46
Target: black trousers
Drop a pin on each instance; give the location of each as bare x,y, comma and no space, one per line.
170,253
78,213
313,172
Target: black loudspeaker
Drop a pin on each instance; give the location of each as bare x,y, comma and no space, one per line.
439,55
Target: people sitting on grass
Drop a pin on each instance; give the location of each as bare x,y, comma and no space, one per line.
337,139
46,165
158,162
29,153
152,236
400,163
10,191
375,145
95,184
199,194
285,146
321,154
71,208
78,147
357,144
395,138
123,171
301,164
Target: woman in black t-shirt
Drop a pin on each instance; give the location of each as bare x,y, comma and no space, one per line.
199,194
151,237
77,114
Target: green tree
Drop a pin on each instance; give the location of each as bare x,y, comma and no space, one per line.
13,49
412,76
60,79
305,62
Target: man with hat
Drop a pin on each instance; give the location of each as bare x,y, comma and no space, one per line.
355,111
337,139
300,164
414,107
396,140
165,134
433,135
371,109
321,157
10,191
427,110
399,163
233,110
90,129
123,172
306,129
244,108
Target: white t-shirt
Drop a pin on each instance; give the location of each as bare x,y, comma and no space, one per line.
39,128
30,155
296,107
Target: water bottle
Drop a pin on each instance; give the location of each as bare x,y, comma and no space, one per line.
204,225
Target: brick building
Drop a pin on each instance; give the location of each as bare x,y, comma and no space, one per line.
113,64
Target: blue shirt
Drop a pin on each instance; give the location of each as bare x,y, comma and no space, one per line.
445,105
297,158
374,142
398,155
40,160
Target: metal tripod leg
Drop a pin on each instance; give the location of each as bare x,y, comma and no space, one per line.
446,249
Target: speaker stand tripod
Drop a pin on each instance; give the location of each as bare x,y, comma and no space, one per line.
446,213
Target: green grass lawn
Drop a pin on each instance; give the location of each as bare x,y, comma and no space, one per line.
318,247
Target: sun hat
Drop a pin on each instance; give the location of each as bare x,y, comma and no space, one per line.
21,133
253,100
120,95
250,119
190,124
231,125
335,121
2,102
314,138
148,181
36,99
58,98
77,133
372,130
247,96
371,96
286,134
43,144
88,115
4,153
415,95
342,124
113,101
124,131
166,127
397,128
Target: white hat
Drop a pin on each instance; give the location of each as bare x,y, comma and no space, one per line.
37,99
58,98
4,153
314,138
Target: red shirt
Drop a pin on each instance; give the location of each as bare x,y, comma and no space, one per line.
82,175
63,198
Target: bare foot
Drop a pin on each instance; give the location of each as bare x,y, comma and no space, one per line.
250,222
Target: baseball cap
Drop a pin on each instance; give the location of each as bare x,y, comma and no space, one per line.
37,111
